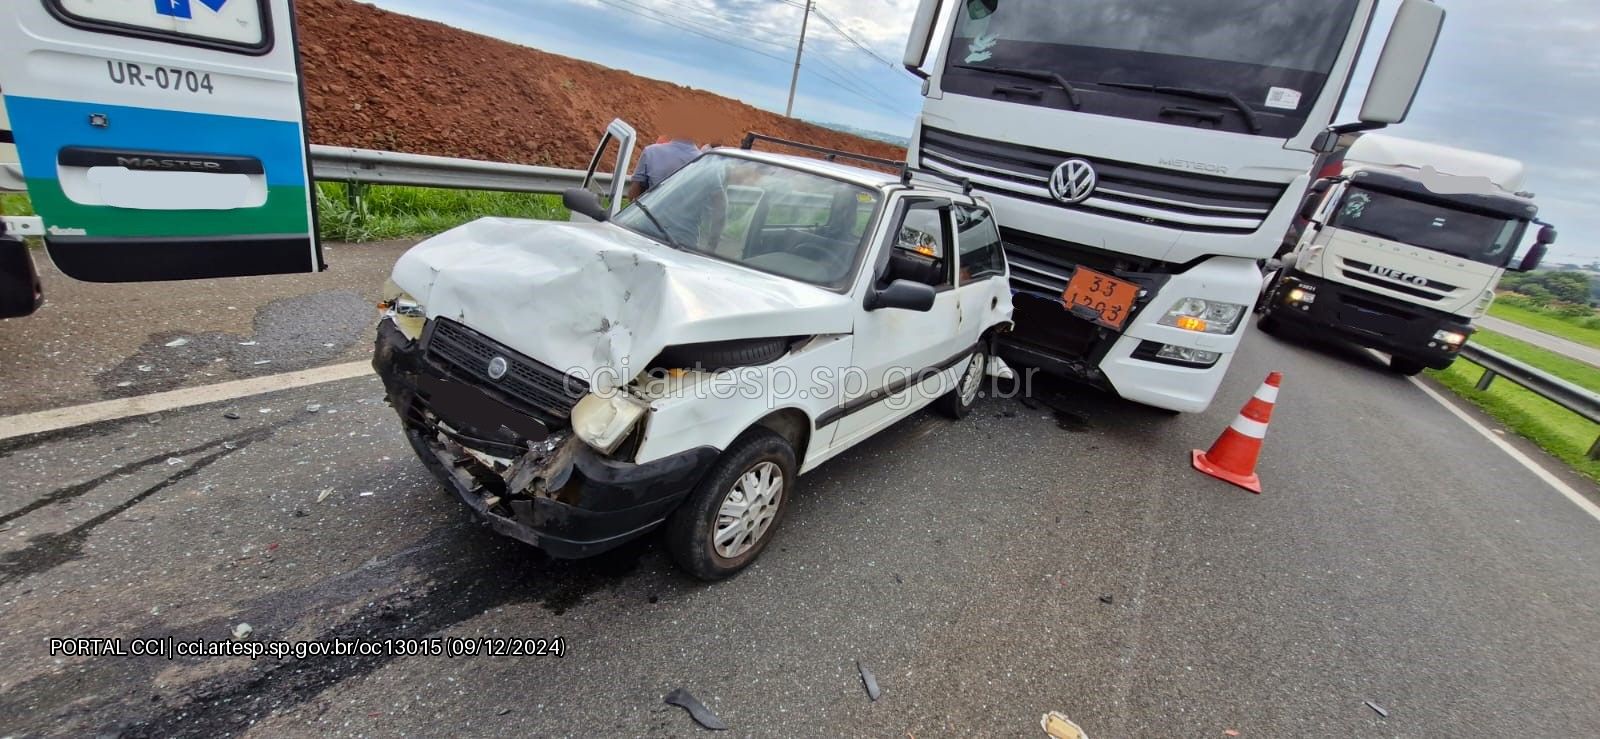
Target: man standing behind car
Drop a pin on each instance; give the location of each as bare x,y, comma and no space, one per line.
661,159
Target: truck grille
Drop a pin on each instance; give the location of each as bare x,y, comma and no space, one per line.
526,380
1164,197
1428,289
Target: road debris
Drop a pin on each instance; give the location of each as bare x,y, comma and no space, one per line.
1057,726
266,410
324,494
1230,732
1108,599
870,681
247,343
231,416
174,461
313,407
125,383
260,362
243,632
1378,708
366,494
175,343
697,710
147,368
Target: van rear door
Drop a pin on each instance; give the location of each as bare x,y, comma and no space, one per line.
161,139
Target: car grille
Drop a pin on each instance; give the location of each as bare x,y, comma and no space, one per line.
1164,197
541,387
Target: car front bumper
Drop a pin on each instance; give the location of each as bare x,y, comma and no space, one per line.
575,502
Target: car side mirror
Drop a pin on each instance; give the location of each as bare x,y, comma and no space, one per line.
579,200
904,295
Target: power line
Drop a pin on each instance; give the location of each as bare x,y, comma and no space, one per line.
852,40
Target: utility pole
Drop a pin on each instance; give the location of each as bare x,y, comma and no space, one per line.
801,49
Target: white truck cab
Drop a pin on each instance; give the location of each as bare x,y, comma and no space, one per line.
1143,156
679,362
1403,247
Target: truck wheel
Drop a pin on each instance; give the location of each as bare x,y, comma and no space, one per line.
958,402
1407,367
729,518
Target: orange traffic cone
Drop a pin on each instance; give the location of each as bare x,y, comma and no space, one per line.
1233,457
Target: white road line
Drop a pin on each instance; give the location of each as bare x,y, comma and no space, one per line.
1515,453
111,410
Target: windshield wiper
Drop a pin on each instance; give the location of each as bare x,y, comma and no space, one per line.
1250,117
1042,75
663,229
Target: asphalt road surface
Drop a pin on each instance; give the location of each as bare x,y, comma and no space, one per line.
1566,347
1048,553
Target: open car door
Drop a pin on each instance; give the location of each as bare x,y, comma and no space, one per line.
161,139
607,176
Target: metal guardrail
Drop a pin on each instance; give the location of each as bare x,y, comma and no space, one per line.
370,167
1579,400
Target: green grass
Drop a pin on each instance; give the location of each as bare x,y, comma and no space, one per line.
1567,328
1555,429
400,212
394,212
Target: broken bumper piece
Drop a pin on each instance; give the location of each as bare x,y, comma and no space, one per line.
559,494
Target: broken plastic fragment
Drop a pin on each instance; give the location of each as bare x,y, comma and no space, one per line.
175,343
242,632
231,416
324,494
697,710
870,681
174,461
313,407
247,343
146,367
1378,708
1058,726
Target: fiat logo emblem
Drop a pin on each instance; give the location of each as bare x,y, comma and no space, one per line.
1074,181
498,368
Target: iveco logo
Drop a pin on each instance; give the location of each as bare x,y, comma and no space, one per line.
1394,274
150,163
498,368
1073,182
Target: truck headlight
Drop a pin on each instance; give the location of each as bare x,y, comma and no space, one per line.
1450,338
604,421
1204,316
398,306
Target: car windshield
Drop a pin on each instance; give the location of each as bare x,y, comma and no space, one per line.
1475,236
767,217
1273,55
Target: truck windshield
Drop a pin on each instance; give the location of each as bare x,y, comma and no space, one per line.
1273,55
774,219
1475,236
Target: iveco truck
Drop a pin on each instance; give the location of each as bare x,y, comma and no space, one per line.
1403,245
1143,157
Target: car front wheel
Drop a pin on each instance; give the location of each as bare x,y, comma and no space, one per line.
731,516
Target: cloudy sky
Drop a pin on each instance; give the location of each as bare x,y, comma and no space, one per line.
1517,79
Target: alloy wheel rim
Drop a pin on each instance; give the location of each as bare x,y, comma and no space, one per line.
748,510
972,380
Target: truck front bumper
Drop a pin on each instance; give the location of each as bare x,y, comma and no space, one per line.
1388,325
560,495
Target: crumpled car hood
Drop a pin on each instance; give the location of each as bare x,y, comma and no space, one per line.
600,301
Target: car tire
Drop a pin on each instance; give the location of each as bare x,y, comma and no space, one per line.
958,402
712,546
1407,367
717,356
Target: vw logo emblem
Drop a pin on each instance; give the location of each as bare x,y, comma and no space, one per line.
498,368
1073,182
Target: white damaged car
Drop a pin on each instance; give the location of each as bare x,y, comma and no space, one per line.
679,363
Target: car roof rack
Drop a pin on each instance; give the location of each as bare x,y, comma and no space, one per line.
834,155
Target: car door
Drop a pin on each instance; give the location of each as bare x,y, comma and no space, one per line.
901,357
607,176
162,139
982,289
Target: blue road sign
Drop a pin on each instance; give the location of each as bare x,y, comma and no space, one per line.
214,5
176,8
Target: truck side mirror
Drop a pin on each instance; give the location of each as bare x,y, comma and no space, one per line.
1404,62
1314,199
1547,235
903,294
580,200
921,37
1534,257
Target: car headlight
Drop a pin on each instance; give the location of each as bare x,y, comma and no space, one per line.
398,306
1204,316
603,421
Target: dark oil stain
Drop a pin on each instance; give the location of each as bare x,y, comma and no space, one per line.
1073,422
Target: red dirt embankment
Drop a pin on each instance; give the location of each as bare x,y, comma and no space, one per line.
381,80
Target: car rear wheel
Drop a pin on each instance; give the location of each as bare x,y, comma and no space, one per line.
731,516
958,402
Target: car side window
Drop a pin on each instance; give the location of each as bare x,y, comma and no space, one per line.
982,251
921,250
